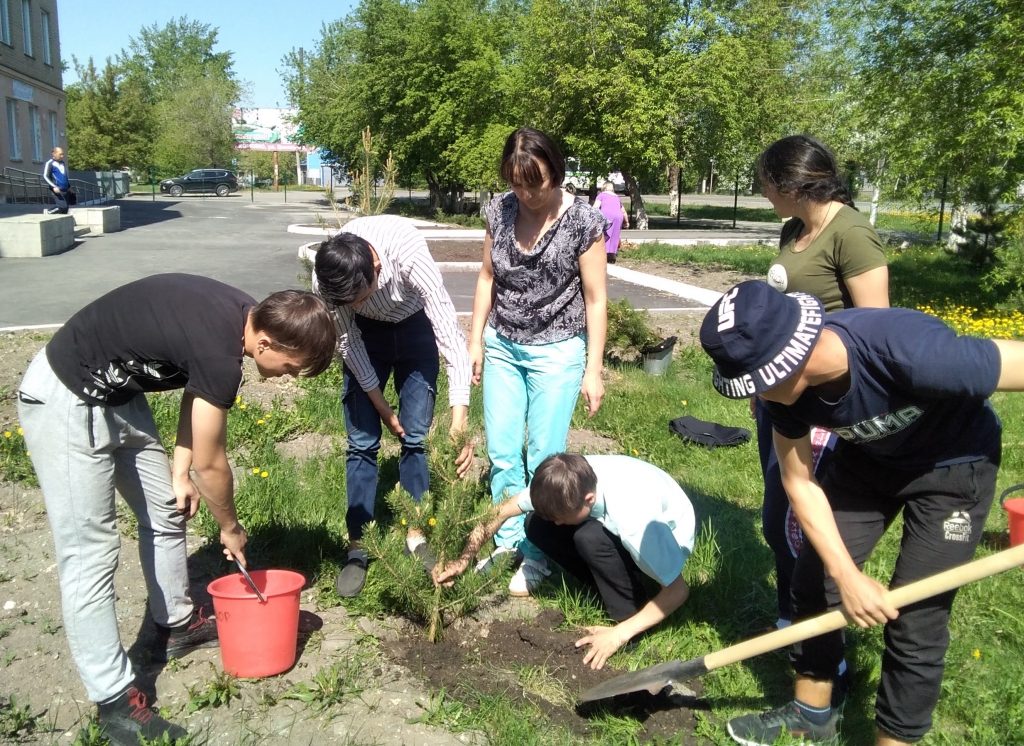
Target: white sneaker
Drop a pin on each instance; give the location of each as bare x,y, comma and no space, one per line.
487,563
529,575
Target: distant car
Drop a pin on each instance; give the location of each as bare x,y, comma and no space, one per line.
581,180
201,180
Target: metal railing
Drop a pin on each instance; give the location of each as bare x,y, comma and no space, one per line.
25,187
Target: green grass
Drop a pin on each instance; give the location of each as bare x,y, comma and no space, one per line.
295,516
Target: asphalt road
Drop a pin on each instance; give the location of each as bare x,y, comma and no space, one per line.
233,239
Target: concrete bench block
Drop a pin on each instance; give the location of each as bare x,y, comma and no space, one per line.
36,235
98,220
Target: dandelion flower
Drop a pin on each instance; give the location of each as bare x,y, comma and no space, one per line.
264,474
261,422
976,654
405,522
20,431
636,452
431,521
684,402
243,405
238,400
255,470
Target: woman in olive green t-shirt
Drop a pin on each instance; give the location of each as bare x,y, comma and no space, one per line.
827,249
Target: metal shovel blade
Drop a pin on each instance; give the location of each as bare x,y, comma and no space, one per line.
651,679
248,580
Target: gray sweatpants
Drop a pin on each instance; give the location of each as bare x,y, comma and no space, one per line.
80,454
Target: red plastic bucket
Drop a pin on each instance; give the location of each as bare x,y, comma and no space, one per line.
256,638
1014,514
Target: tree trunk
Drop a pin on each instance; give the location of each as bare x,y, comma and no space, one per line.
957,228
435,190
875,192
483,197
673,190
639,219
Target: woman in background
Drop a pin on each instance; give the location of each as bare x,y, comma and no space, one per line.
828,249
611,207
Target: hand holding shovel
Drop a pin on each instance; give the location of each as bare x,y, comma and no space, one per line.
655,678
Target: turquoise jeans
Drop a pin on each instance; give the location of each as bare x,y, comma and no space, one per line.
530,392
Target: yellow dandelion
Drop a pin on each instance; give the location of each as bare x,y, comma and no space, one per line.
636,452
238,400
976,654
431,521
405,522
264,474
261,422
243,405
8,433
255,470
20,431
685,402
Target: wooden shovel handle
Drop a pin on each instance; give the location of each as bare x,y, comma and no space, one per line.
830,621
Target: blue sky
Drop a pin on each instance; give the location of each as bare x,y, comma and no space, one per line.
257,33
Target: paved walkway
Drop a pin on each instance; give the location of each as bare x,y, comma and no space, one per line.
246,241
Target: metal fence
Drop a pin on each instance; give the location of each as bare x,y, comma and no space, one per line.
25,187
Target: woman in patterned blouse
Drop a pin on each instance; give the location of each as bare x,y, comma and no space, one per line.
539,324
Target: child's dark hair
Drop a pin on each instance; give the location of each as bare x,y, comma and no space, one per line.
524,149
298,321
802,168
344,268
560,484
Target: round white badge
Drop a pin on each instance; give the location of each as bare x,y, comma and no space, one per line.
777,278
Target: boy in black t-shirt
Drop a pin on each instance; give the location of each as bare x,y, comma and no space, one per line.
908,399
89,429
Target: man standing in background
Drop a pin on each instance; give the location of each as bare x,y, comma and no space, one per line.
55,172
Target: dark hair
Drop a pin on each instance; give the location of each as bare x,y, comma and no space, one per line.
298,321
344,268
802,168
560,484
524,149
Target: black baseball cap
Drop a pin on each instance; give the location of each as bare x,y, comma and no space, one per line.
759,337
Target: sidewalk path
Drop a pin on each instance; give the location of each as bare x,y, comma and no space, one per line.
247,242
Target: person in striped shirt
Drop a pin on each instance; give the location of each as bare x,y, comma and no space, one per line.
394,316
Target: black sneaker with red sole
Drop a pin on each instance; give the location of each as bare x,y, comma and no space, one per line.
125,719
176,642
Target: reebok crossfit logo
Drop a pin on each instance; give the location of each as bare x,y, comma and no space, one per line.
957,527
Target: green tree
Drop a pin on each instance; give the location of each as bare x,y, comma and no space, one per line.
945,78
109,121
193,125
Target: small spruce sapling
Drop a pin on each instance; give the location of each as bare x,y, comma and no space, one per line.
445,515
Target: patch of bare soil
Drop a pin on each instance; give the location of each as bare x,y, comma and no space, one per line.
709,277
456,251
535,661
16,351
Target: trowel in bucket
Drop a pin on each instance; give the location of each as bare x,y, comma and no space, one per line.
655,678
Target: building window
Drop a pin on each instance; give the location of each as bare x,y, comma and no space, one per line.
35,124
54,141
45,28
13,136
5,22
26,24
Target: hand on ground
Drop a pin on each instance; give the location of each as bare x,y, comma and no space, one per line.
603,642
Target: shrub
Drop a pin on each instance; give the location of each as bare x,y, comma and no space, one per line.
630,332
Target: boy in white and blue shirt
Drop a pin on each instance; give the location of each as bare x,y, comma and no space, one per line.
615,523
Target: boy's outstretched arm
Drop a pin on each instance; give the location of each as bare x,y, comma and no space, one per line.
1011,355
604,641
445,573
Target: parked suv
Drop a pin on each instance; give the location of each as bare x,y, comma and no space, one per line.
203,180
